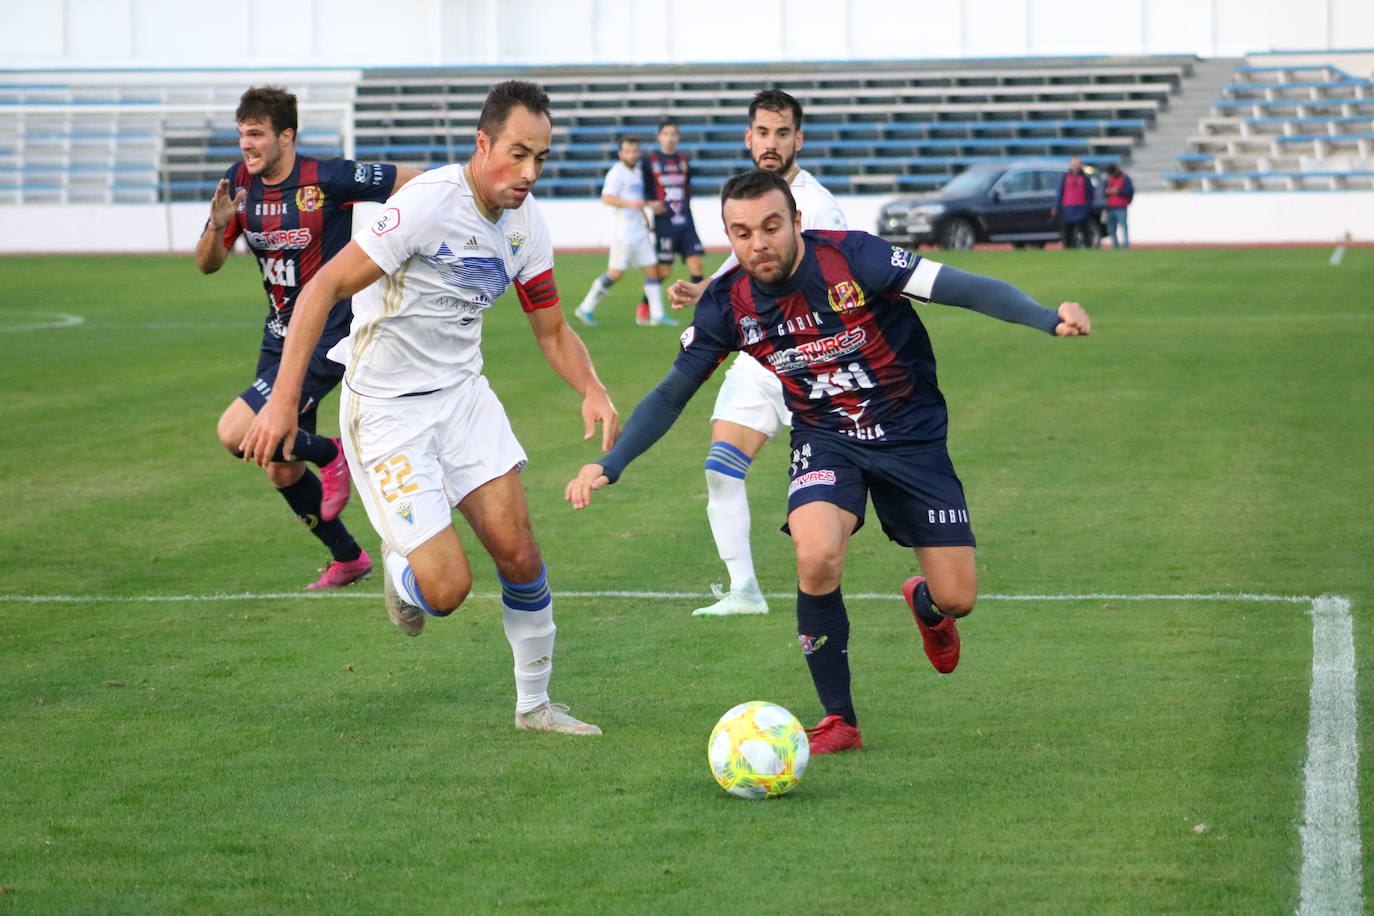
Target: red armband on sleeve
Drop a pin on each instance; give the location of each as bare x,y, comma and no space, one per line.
540,292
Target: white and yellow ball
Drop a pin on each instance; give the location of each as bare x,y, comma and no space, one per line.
758,750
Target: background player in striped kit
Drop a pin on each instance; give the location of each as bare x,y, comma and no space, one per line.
631,243
668,186
749,408
422,429
830,313
294,212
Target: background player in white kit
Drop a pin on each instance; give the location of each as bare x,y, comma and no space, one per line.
631,243
422,430
749,408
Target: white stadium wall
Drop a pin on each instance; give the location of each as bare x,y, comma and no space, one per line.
1157,218
64,34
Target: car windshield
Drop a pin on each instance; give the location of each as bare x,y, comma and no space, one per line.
974,181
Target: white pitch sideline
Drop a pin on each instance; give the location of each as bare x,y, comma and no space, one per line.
692,596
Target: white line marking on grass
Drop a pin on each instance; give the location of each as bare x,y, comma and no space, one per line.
858,596
1337,255
1331,880
41,321
1331,869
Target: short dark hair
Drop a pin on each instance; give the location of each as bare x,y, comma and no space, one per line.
754,184
1113,169
666,122
271,102
505,96
626,138
777,101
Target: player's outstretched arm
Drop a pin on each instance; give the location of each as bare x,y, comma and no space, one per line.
210,250
995,298
651,418
568,356
343,275
579,489
1073,321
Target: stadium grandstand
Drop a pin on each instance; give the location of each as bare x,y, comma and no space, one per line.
115,137
1177,122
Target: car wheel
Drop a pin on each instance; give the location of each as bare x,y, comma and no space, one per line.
958,235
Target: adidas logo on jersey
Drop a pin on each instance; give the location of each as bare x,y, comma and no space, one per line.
471,244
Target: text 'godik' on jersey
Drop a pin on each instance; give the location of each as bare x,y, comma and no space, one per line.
852,355
294,226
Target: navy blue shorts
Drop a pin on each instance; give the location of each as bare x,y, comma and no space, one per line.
916,494
673,240
321,377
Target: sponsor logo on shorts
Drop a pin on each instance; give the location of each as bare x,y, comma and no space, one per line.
810,644
845,296
309,198
688,336
947,516
391,218
812,479
824,350
406,512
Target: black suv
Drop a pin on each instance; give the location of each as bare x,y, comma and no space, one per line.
998,202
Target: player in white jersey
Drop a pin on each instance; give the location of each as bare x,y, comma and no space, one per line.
631,243
749,408
422,430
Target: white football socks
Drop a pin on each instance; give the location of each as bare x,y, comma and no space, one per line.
531,637
600,286
527,613
653,291
398,568
727,509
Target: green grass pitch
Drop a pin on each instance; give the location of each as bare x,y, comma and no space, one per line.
166,750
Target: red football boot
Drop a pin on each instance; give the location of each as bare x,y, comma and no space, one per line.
833,734
942,640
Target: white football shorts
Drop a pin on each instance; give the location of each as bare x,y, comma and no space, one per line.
414,458
637,251
751,396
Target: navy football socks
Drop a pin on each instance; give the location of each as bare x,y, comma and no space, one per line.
926,610
304,497
823,631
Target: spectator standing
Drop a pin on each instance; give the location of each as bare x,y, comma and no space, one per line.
1120,192
1074,205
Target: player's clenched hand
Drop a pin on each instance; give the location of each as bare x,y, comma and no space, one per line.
1073,321
684,293
222,206
274,425
597,408
579,489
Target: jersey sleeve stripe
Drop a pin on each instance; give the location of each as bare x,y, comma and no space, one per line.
921,283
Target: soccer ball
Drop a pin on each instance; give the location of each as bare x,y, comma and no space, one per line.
758,750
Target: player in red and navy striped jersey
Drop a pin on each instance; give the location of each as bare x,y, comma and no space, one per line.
668,189
295,213
830,314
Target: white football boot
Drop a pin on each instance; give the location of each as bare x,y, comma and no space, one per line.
744,601
408,618
554,717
